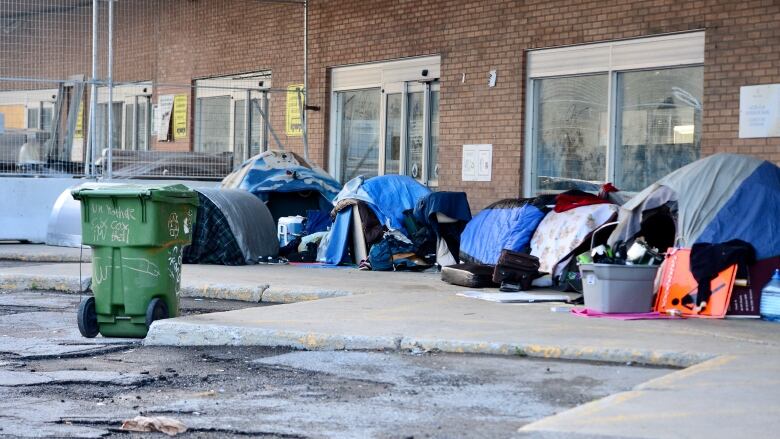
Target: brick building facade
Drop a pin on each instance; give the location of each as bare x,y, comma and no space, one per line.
206,38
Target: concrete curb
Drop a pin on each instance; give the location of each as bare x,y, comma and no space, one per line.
259,293
62,284
174,333
46,257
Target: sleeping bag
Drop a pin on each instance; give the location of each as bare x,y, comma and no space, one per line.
507,224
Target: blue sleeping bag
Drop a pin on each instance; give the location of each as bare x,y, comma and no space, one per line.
507,224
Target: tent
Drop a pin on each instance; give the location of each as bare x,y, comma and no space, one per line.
506,224
232,227
716,199
387,196
286,182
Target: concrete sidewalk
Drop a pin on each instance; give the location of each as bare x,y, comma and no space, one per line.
14,251
728,389
254,283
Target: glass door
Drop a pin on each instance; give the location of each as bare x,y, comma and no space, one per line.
411,130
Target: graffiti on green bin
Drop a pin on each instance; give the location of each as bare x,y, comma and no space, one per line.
174,265
173,225
141,265
120,232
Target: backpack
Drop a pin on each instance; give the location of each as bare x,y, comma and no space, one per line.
383,255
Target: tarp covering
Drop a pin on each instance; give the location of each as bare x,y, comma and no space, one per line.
232,227
388,196
719,198
281,171
507,224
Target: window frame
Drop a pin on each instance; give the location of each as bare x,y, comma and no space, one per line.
612,67
238,88
390,77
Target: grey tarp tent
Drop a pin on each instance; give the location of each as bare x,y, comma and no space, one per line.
233,227
718,198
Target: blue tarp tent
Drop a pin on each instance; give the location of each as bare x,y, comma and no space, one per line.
388,196
286,182
507,224
718,198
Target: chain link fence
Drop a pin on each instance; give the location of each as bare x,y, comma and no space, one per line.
81,93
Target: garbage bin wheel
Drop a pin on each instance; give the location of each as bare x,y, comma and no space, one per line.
157,310
87,318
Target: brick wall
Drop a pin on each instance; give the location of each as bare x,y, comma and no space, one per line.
474,37
177,41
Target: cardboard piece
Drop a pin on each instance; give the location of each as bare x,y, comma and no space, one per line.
678,288
745,300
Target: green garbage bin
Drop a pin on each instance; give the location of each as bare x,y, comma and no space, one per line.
137,234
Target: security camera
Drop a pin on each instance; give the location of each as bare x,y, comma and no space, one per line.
261,83
425,73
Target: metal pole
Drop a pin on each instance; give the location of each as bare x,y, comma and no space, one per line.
135,125
245,154
273,133
304,119
109,158
302,109
91,134
265,124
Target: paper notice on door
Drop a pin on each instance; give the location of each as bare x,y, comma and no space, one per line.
180,117
165,108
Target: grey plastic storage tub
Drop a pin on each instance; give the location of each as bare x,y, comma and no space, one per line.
611,288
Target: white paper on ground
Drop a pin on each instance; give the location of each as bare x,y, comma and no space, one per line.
521,297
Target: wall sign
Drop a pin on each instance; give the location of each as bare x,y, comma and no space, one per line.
759,111
180,116
79,133
477,162
164,109
293,125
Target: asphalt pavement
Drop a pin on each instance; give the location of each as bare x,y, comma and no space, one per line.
53,383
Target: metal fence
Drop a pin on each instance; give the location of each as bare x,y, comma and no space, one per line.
81,94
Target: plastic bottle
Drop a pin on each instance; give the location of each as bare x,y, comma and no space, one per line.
770,299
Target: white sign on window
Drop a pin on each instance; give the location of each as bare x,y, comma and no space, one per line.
164,110
759,111
477,163
155,119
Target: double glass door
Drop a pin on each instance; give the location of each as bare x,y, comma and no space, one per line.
389,130
411,130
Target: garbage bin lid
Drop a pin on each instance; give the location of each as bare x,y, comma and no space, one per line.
159,192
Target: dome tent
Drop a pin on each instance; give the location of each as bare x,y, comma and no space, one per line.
287,183
718,199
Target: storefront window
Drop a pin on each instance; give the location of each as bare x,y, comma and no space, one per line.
386,119
359,132
415,135
659,122
102,124
212,124
433,161
393,134
624,111
571,131
256,130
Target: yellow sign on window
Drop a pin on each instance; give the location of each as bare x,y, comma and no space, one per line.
180,116
293,123
14,115
79,133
